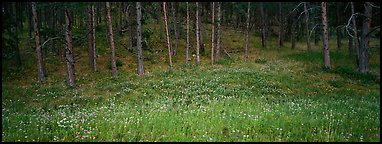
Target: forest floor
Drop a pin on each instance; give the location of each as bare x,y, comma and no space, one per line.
277,95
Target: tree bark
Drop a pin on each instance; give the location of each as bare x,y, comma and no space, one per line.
363,57
281,26
175,29
338,24
212,33
188,34
263,38
168,36
69,50
202,44
246,36
307,28
111,37
40,65
293,30
90,35
325,36
139,39
356,41
197,34
15,35
218,34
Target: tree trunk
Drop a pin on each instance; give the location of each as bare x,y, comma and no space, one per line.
120,19
338,24
168,36
40,65
356,41
363,57
212,33
246,36
316,33
281,26
188,34
263,38
293,30
197,34
307,28
175,29
139,39
111,37
202,44
15,35
325,36
218,34
90,35
131,34
69,50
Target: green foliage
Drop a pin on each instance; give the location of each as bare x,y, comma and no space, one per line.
261,60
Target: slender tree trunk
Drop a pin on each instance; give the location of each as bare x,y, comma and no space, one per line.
202,44
90,35
363,57
120,19
212,33
175,29
293,30
356,41
15,35
94,39
263,38
246,36
69,50
111,37
168,36
197,34
316,32
281,26
307,28
139,39
40,65
338,24
188,34
350,40
218,34
325,36
160,25
369,24
131,34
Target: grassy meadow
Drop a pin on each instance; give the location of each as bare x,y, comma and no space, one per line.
277,95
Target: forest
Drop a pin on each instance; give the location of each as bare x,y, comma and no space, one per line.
190,71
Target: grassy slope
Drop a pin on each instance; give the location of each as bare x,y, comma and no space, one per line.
279,95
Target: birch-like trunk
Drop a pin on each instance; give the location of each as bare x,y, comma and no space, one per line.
168,36
212,33
246,36
139,39
188,33
111,37
197,34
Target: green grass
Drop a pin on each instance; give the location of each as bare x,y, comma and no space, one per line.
278,95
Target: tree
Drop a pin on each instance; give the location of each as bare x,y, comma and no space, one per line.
338,26
175,28
197,34
139,39
263,28
40,65
356,42
111,37
168,37
246,36
212,33
307,28
188,34
91,38
281,25
15,42
364,48
218,34
202,44
293,30
325,36
69,50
